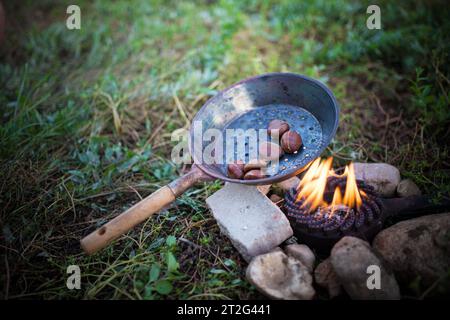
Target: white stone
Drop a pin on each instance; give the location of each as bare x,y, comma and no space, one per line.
254,224
279,276
382,176
357,265
302,253
408,188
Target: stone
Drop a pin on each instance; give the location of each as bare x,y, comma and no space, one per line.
253,223
288,184
325,277
408,188
279,276
418,247
382,176
277,249
356,265
302,253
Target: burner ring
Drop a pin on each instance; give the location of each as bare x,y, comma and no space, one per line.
321,230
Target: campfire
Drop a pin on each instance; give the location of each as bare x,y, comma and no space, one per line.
328,205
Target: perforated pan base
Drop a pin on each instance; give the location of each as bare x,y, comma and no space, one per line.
299,120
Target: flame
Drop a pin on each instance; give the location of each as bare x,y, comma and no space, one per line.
312,187
337,198
352,197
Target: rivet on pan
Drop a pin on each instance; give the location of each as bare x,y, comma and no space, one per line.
286,159
295,152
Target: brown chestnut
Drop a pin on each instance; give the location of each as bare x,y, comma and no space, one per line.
270,151
255,164
291,141
253,175
236,170
279,126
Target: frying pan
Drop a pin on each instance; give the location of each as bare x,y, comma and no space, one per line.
306,104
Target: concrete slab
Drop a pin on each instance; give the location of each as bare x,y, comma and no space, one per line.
253,223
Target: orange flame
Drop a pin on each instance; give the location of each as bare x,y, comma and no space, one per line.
313,184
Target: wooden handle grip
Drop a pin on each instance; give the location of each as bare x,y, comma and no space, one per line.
103,236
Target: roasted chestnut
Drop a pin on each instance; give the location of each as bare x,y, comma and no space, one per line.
253,175
236,170
279,126
270,151
255,164
291,141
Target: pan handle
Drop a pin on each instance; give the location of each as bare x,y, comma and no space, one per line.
142,210
415,206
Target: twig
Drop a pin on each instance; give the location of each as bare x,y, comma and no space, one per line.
158,129
426,292
135,191
196,246
71,200
181,110
378,103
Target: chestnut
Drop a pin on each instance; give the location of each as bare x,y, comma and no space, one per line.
253,175
291,141
270,151
255,164
236,170
279,126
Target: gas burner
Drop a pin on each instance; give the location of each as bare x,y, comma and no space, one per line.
328,205
326,225
323,227
339,217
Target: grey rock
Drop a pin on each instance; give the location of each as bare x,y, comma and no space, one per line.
351,257
408,188
254,224
302,253
277,249
418,247
325,277
382,176
279,276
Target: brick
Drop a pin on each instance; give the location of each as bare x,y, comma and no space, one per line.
249,219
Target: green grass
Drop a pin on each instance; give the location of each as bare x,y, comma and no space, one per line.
86,120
